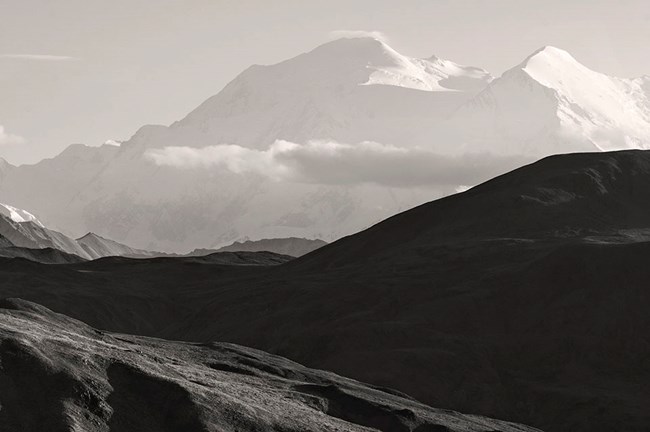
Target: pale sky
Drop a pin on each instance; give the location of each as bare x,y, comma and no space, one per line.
86,71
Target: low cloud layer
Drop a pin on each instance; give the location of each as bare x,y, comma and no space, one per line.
326,162
7,138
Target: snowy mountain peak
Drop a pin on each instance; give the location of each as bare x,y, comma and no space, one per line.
367,61
358,46
90,236
18,215
550,53
554,67
551,103
341,90
385,66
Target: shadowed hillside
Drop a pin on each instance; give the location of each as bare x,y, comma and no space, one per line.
524,298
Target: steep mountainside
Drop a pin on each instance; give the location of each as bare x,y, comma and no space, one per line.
45,255
18,215
32,234
98,247
348,90
59,374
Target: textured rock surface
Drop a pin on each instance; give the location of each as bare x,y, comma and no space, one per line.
58,374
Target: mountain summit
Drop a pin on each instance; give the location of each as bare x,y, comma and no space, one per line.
551,103
342,90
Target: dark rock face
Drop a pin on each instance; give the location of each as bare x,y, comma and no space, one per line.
58,374
524,298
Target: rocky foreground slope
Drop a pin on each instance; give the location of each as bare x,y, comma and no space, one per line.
58,374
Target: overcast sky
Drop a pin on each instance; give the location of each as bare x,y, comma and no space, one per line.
86,71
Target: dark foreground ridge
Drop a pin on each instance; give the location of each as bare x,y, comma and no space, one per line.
560,197
525,298
59,374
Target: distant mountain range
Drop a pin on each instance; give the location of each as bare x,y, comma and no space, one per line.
32,234
22,235
96,247
292,246
326,144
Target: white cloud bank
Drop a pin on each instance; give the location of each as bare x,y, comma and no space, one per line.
37,57
326,162
7,138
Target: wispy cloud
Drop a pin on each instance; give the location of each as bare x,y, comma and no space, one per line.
7,138
38,57
338,34
327,162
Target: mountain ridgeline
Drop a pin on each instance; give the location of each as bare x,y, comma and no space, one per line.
22,235
597,197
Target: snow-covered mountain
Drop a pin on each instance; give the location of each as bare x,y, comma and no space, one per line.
97,247
347,90
326,144
23,235
18,215
23,230
550,103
